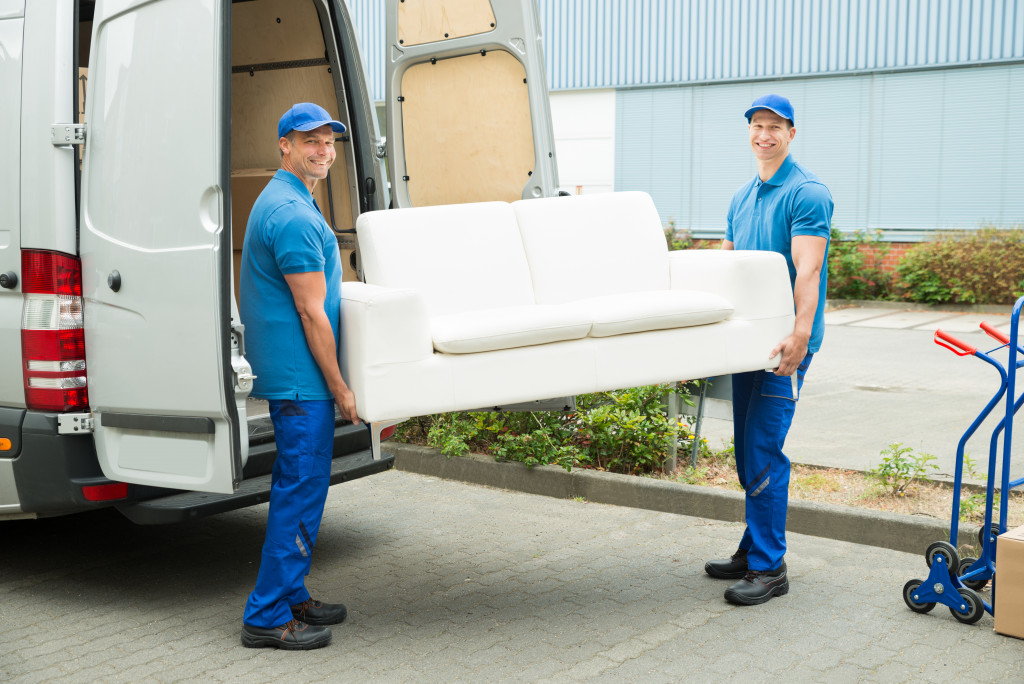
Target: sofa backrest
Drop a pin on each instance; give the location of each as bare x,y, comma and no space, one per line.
463,257
592,245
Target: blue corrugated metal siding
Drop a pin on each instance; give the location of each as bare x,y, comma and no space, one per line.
629,43
369,19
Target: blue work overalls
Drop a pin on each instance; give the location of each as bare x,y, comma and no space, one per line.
763,405
304,432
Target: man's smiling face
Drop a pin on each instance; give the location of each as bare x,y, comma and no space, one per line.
770,136
309,154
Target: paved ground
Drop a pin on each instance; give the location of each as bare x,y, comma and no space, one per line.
880,378
453,582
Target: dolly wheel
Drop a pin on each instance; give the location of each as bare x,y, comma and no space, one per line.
994,534
975,608
965,566
909,589
948,553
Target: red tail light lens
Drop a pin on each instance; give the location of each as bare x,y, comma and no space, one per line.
107,492
52,337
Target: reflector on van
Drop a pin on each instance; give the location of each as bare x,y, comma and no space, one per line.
52,338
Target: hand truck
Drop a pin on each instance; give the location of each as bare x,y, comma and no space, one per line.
953,581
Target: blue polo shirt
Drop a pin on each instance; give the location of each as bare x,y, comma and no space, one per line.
286,234
767,215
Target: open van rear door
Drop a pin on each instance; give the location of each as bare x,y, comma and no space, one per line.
156,246
467,103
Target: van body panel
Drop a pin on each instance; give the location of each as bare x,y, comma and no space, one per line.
468,118
48,171
12,29
10,429
12,9
154,217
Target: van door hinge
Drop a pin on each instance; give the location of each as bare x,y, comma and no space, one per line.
74,423
67,134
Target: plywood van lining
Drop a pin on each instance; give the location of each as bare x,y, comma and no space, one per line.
280,57
428,21
484,151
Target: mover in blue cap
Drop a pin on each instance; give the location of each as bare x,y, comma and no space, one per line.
290,301
785,209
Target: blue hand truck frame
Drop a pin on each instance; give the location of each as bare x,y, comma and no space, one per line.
953,581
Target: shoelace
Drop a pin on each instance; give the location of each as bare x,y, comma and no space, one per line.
288,628
305,605
752,575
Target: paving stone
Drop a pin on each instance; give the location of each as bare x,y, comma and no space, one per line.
443,584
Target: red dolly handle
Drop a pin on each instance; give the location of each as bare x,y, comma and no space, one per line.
998,335
958,347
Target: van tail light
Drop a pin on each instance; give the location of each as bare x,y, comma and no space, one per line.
105,492
52,337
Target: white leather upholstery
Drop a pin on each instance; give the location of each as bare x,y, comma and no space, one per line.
517,326
592,245
748,279
632,312
459,312
462,257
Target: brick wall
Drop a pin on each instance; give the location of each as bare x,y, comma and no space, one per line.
896,251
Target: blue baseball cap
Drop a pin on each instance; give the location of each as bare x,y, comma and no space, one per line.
306,116
773,103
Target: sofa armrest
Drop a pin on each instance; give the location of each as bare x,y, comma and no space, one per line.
381,325
756,283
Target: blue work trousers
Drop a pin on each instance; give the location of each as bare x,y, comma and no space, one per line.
763,405
304,432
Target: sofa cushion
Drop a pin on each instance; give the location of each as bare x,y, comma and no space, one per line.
505,328
463,257
601,244
656,310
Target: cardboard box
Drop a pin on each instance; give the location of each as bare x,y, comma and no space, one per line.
1009,583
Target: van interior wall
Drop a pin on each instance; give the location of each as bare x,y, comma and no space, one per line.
278,59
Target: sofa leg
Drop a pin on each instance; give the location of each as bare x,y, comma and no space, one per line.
375,431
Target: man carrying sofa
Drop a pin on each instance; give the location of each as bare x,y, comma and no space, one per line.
290,301
785,209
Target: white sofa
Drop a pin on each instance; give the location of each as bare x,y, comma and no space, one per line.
478,305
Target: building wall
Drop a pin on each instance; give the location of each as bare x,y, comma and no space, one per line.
903,106
584,125
592,44
904,153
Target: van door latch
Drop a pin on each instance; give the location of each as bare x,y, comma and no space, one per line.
74,423
67,134
381,148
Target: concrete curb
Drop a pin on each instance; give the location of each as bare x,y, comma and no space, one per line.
844,523
833,304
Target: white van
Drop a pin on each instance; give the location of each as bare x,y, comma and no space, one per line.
137,133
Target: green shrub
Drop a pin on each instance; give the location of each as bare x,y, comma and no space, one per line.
900,467
854,267
677,239
625,431
984,266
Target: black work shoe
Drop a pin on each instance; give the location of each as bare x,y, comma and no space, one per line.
291,636
731,568
757,586
319,613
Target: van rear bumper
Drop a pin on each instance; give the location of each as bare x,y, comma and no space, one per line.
50,470
182,506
